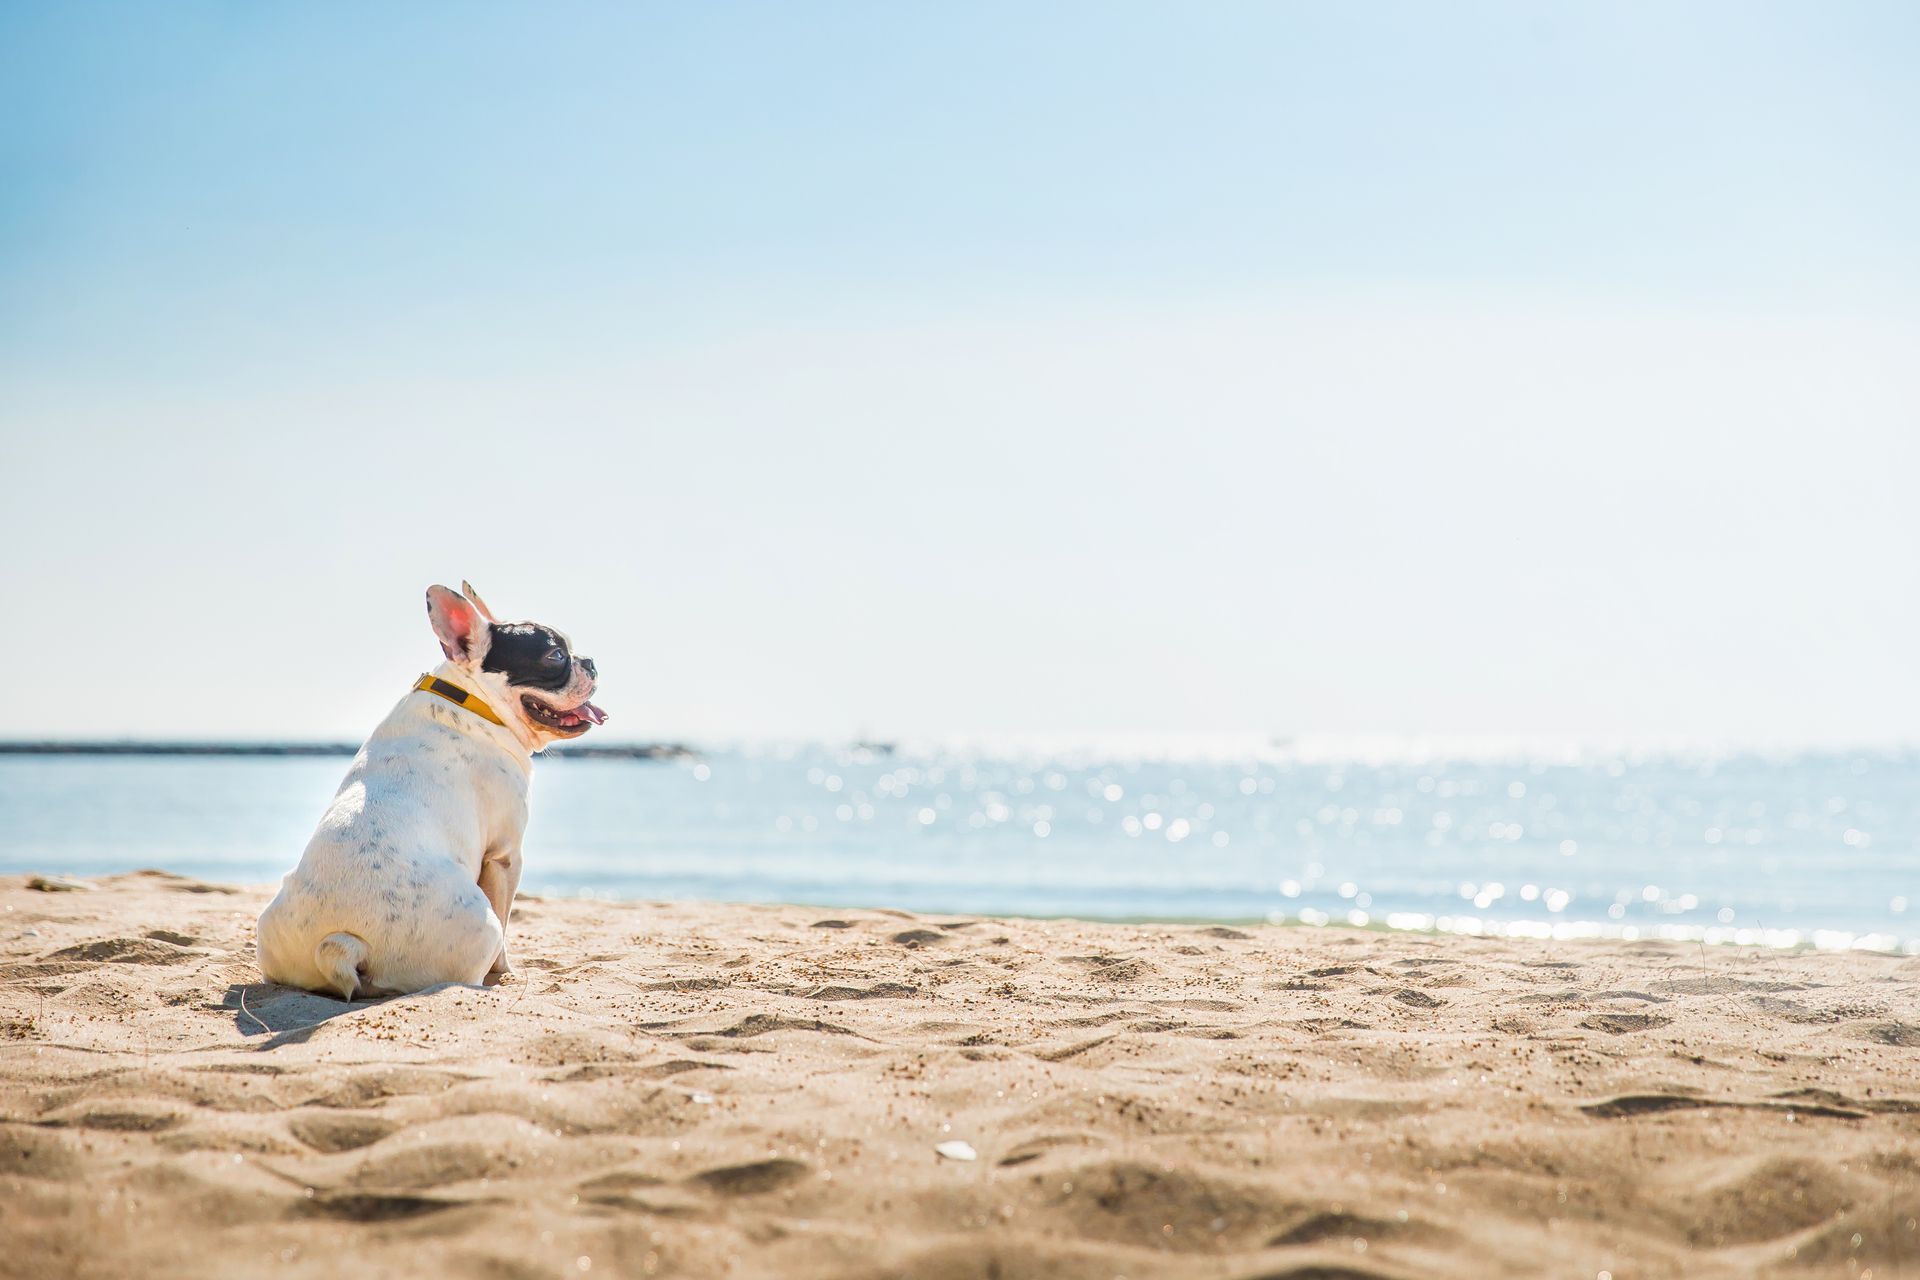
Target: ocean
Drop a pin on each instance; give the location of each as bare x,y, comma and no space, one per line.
1789,850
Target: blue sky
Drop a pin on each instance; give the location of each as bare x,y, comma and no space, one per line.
1464,369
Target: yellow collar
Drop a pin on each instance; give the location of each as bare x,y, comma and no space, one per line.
458,697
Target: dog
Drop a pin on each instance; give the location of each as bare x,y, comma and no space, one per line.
409,879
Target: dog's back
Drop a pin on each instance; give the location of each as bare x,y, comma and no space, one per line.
385,898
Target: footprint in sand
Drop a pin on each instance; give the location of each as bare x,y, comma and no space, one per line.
436,1164
619,1183
147,950
377,1208
1619,1024
1333,1225
1111,968
878,991
1630,1105
329,1133
760,1024
678,1066
1417,999
756,1178
116,1120
377,1084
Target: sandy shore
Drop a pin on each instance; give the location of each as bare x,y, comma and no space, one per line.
699,1090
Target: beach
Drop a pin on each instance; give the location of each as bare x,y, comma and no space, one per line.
691,1089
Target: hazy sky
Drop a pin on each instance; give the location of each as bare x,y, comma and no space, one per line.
912,369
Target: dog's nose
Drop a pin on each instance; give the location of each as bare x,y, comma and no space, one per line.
591,670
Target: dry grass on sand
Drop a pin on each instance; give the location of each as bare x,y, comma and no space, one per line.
698,1090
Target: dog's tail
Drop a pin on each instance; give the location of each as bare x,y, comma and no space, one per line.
341,958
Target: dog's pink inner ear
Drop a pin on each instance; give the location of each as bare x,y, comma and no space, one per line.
455,621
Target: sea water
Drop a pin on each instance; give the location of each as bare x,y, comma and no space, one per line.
1787,850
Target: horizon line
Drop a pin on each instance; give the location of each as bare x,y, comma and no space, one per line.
1362,749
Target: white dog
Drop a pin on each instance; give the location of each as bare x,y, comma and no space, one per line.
410,877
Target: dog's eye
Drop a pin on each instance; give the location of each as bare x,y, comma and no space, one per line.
555,658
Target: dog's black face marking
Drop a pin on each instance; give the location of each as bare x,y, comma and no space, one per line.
525,653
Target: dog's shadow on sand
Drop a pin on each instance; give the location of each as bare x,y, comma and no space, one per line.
288,1015
284,1015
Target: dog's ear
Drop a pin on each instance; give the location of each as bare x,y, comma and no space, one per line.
473,597
459,626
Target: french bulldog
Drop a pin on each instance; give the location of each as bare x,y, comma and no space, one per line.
408,881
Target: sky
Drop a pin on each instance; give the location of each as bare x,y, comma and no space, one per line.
1472,370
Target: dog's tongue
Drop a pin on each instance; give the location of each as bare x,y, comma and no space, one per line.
591,712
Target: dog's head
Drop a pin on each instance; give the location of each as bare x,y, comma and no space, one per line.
528,671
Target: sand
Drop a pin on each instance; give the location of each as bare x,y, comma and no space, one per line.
701,1090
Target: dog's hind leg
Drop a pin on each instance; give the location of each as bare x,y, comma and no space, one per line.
341,959
500,880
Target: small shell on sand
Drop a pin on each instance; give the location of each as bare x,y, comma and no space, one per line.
958,1151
